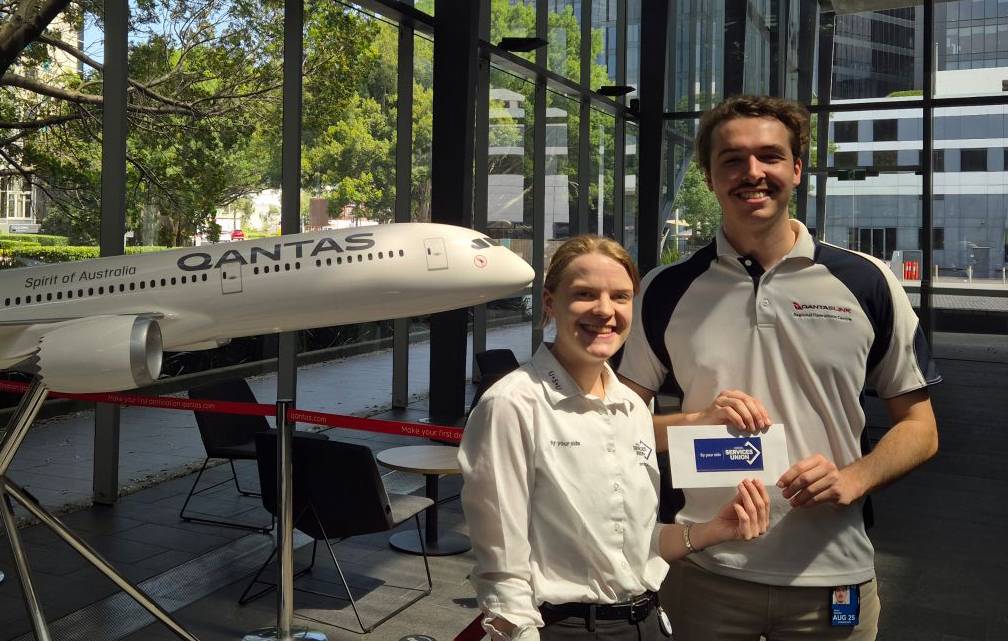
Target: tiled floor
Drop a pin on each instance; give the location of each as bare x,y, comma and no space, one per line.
938,537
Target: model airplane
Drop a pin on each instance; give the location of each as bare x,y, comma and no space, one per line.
102,325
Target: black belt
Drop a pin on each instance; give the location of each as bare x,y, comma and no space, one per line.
632,611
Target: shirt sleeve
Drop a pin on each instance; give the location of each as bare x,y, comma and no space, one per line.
640,364
906,365
496,457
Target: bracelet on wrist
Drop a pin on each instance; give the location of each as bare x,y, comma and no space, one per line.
686,539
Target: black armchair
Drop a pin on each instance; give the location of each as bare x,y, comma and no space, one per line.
227,436
337,493
493,365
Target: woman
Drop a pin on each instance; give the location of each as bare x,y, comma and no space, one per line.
561,478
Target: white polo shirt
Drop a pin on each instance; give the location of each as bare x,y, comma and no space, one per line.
806,338
560,493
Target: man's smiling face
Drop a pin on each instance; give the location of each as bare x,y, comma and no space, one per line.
752,171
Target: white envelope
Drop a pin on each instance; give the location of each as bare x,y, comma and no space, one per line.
720,456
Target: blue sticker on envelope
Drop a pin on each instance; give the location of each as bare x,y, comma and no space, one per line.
728,454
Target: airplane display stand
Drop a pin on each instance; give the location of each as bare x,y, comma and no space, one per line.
20,422
284,630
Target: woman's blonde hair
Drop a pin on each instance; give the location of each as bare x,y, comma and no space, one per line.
579,246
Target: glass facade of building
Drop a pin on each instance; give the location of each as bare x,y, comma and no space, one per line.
864,76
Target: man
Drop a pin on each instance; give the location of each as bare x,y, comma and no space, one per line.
767,325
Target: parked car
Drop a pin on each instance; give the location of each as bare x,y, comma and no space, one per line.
237,235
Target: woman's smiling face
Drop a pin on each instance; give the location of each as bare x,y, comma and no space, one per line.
592,308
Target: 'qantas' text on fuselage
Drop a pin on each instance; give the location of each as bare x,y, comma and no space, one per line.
198,261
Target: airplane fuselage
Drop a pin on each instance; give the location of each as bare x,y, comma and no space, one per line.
203,296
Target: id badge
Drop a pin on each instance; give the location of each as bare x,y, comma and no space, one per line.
845,605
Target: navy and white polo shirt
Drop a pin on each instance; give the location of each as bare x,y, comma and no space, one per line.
807,338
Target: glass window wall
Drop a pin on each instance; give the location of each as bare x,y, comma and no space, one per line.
872,197
509,206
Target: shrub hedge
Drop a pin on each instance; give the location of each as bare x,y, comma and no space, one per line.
63,254
38,239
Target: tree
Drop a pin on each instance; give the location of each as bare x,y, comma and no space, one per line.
203,107
23,23
697,205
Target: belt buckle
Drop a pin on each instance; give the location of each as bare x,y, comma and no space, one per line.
640,609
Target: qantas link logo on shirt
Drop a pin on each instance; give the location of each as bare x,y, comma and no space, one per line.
821,311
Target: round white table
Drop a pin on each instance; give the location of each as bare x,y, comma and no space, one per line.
432,461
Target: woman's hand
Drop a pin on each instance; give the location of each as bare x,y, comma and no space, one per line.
745,517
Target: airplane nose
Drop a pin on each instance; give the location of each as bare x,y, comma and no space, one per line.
522,271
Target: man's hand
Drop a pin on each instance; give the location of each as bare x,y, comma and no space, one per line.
816,480
734,408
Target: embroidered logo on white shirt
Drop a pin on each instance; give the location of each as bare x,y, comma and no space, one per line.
643,450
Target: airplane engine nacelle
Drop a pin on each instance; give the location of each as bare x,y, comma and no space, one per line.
100,354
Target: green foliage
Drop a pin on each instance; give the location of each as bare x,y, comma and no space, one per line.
15,244
670,254
204,128
67,253
35,239
205,132
697,205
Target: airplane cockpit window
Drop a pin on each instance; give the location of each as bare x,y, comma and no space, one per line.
491,241
479,243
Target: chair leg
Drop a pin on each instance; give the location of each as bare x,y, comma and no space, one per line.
242,600
346,586
270,586
223,523
192,490
234,475
423,549
314,548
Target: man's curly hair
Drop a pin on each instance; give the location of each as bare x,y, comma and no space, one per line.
791,114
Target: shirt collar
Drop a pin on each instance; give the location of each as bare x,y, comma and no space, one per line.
560,386
804,246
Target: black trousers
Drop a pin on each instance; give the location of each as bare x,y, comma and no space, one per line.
573,629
